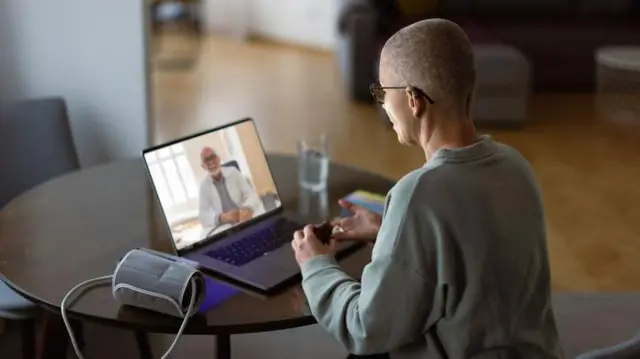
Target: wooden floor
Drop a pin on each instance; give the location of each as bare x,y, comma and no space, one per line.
589,169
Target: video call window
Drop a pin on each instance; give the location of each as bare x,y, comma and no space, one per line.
213,182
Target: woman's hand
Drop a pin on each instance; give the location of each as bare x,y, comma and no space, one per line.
363,225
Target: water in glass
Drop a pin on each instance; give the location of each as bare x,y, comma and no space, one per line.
313,166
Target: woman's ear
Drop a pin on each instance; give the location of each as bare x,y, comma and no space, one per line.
416,102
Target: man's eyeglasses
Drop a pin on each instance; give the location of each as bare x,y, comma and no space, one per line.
378,92
209,158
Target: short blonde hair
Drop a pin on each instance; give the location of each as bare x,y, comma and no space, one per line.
434,55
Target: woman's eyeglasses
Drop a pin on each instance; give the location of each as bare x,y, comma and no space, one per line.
378,92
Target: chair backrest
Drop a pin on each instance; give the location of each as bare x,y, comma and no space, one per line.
270,201
232,163
36,145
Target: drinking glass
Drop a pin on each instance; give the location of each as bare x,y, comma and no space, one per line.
313,163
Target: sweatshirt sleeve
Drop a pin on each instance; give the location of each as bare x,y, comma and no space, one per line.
389,307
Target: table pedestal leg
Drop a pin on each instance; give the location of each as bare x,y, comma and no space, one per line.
56,339
144,348
223,346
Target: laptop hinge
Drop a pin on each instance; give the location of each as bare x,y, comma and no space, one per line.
233,230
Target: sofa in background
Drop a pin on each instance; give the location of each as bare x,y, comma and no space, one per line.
558,37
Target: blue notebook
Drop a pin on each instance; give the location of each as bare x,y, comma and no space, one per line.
371,201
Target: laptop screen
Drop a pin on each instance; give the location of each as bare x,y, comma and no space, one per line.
212,182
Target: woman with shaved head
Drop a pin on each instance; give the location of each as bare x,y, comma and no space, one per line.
459,266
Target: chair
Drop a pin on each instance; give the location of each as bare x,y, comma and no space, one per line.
14,307
36,145
232,163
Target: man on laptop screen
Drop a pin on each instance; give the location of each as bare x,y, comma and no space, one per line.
226,197
210,182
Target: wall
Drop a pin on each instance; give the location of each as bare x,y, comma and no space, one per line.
8,80
305,22
254,154
93,53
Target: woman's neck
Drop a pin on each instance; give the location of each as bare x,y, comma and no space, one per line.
448,133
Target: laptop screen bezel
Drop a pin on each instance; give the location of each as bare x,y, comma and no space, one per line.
230,231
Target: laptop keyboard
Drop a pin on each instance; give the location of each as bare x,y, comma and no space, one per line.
245,250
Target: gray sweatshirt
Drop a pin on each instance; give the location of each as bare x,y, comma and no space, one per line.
459,268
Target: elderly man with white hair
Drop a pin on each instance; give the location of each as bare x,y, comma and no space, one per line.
226,197
460,266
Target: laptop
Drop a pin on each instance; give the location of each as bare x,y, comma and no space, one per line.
222,206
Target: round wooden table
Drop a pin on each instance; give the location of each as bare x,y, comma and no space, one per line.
78,226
